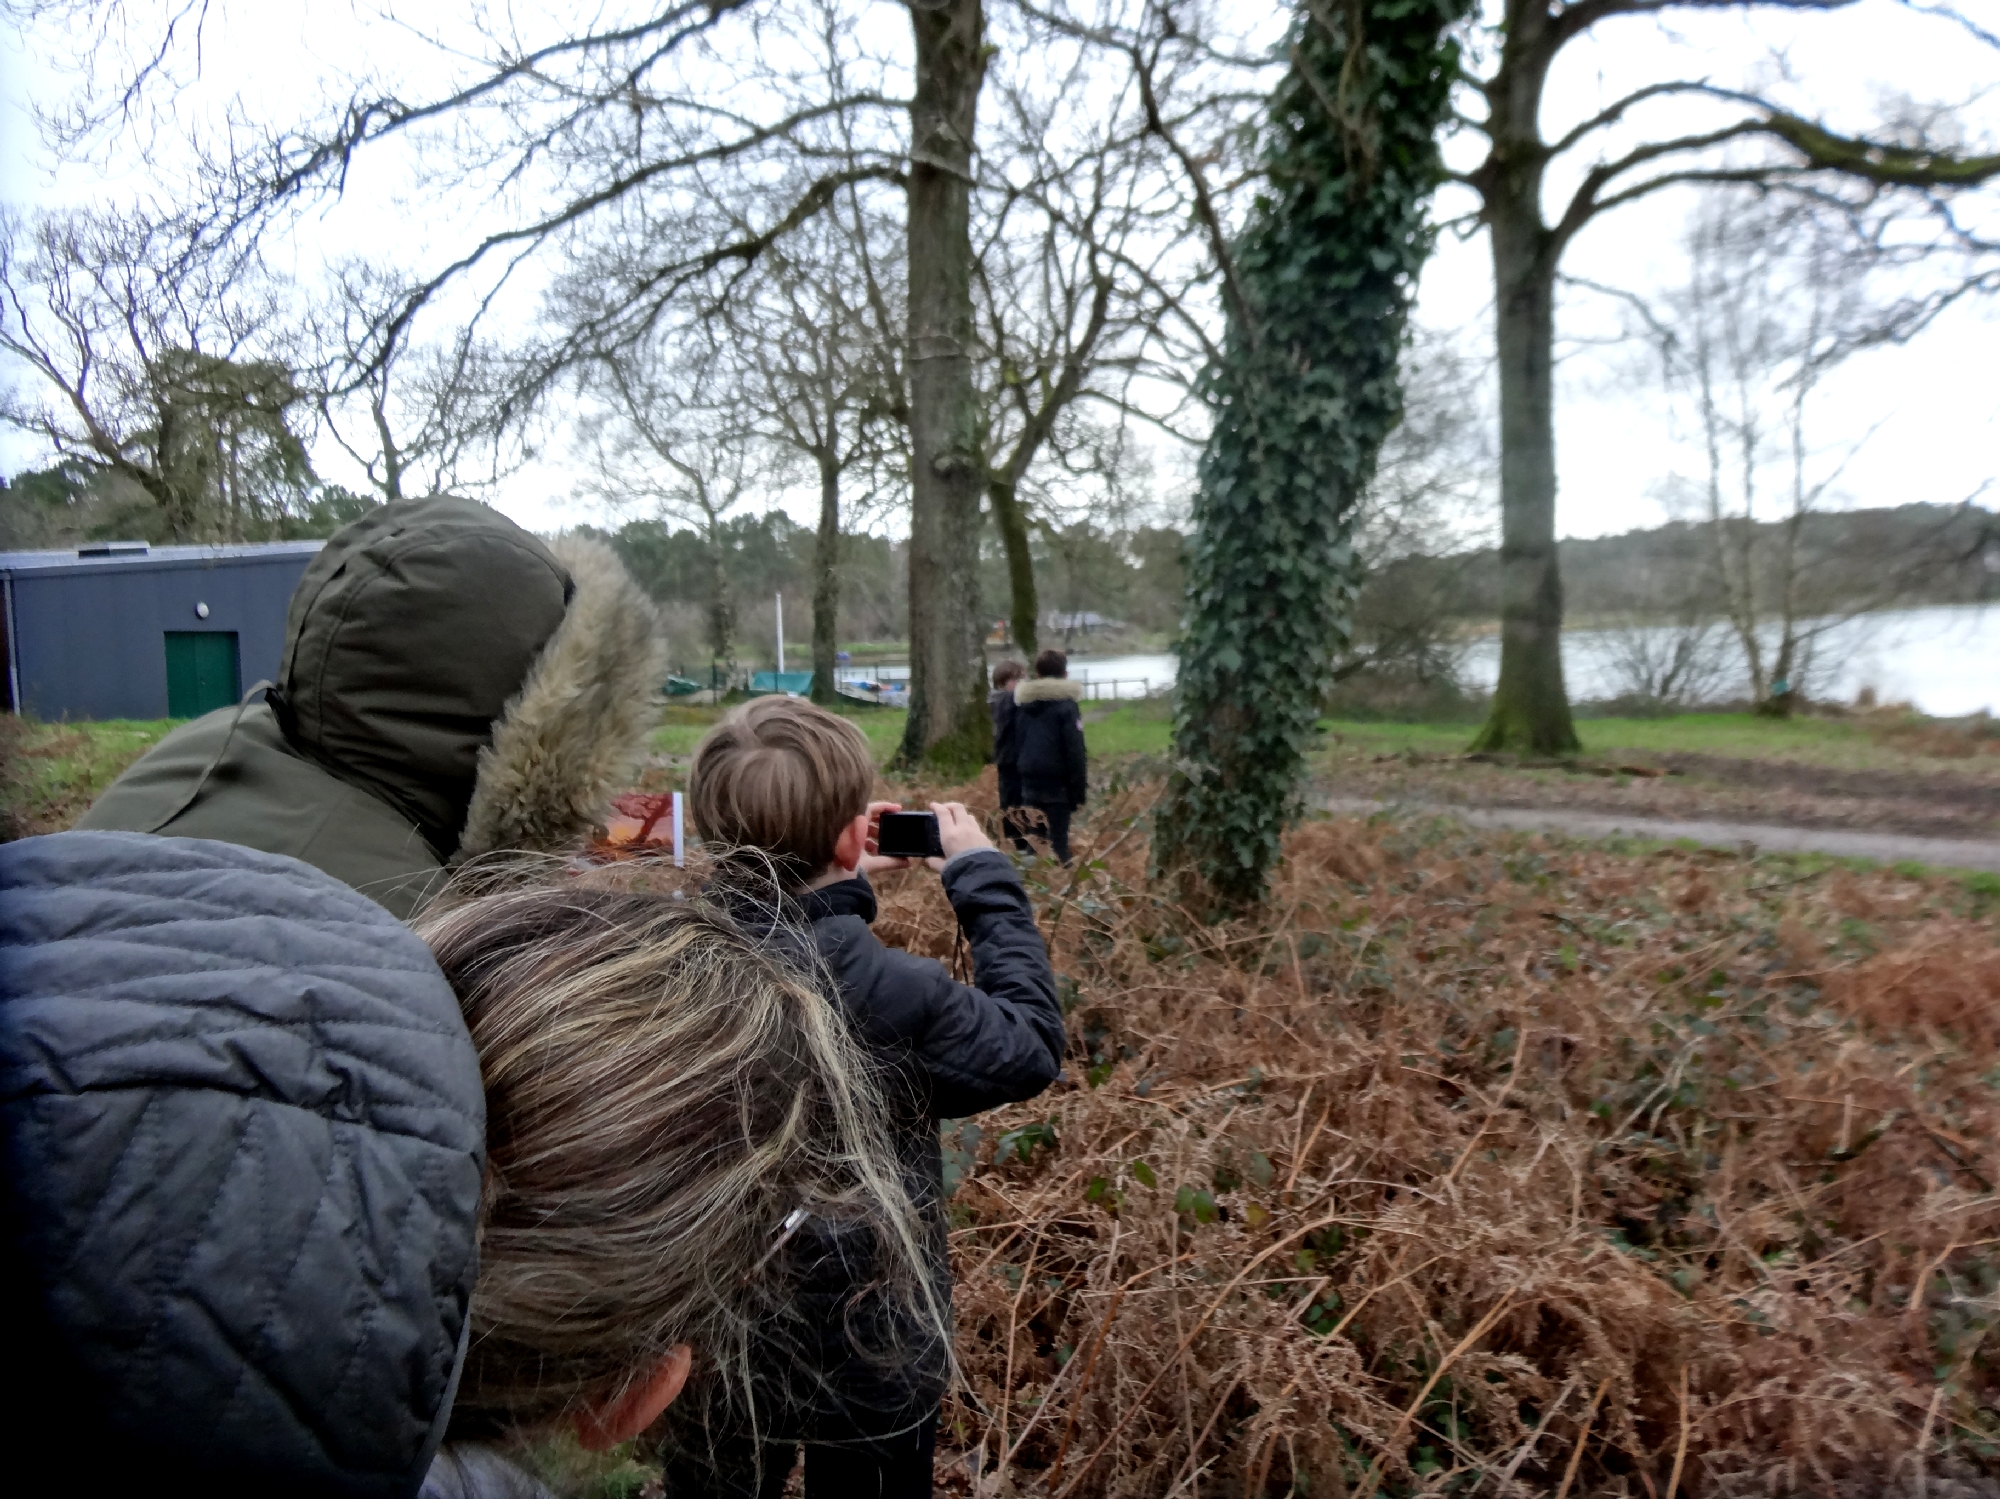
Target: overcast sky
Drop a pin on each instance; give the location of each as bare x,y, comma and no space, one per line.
1933,407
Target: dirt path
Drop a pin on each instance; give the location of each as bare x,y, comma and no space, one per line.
1888,848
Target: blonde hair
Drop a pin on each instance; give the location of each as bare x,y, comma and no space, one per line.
660,1096
781,776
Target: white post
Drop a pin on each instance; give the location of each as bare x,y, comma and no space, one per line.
680,841
781,632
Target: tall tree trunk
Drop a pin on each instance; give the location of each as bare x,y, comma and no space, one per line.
1530,704
721,611
826,583
1023,605
949,727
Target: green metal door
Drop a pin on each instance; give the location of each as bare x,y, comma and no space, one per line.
202,672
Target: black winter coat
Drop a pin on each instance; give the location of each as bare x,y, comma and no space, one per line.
951,1049
1048,743
244,1136
1005,755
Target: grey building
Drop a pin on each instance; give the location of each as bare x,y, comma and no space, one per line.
123,630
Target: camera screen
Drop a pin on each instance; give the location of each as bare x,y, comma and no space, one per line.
910,835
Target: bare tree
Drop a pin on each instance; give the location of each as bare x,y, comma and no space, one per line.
1777,295
155,362
815,348
1785,148
667,441
416,418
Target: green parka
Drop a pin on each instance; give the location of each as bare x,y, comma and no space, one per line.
450,686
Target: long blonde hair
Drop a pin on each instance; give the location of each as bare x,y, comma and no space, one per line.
661,1096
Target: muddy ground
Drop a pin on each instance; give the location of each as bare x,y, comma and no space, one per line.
1948,799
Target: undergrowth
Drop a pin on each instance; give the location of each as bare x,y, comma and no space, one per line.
1487,1163
50,773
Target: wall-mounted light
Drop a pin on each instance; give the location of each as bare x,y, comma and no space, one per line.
201,611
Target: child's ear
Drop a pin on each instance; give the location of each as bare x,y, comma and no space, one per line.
639,1406
851,844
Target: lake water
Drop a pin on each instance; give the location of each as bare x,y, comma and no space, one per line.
1944,661
1101,676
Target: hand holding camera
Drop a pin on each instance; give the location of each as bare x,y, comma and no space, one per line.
896,837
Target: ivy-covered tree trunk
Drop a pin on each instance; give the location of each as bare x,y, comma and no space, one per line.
1304,394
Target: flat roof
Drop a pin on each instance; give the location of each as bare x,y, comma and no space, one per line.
128,554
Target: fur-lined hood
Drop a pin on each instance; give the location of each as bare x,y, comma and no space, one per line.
1048,689
573,734
488,686
451,686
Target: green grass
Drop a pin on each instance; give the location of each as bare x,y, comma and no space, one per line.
1147,728
682,726
51,772
1140,728
1845,744
1130,729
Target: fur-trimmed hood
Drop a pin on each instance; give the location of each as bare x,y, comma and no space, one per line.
1047,690
569,738
488,686
451,686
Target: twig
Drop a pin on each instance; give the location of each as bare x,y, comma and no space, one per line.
1090,1365
1681,1449
1208,1426
1924,1280
1520,1047
1013,1317
1139,1400
1299,1160
1521,1452
1924,1440
1372,1483
1582,1439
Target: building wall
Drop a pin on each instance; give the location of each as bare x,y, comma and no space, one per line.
91,640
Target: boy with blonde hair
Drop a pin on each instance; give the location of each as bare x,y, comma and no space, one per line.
792,782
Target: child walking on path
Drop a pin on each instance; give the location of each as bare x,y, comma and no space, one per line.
1047,742
791,781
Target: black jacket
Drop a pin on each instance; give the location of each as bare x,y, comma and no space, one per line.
950,1049
1001,705
244,1137
1048,743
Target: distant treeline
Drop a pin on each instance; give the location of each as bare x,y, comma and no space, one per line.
1133,576
68,504
1847,560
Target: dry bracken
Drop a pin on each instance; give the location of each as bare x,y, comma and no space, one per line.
1487,1164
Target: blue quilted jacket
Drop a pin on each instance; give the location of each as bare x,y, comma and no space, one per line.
243,1141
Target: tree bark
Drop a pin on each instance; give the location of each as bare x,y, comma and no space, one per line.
721,612
948,727
1530,705
1024,606
826,584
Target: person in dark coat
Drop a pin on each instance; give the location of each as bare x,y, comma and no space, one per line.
791,781
247,1177
1000,703
244,1142
450,686
1048,748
